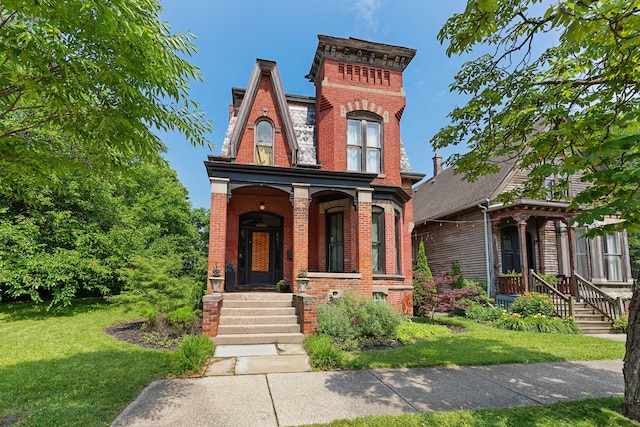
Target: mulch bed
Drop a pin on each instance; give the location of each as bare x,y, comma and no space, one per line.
133,333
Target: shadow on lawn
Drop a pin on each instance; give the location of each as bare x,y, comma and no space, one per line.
28,310
84,389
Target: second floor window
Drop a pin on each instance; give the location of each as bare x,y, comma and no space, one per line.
264,143
364,146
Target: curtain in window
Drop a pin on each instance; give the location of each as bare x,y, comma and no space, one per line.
613,257
264,143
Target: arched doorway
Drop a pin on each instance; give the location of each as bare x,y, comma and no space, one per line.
260,249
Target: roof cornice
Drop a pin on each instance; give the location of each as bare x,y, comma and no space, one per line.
359,51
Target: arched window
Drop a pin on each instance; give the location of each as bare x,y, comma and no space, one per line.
364,142
264,143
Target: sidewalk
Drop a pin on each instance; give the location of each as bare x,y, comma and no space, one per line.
291,399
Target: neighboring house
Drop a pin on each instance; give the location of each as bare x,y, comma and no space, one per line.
320,184
460,221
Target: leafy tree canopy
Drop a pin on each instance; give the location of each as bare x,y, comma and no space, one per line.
572,107
82,85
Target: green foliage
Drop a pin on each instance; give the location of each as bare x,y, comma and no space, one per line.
82,240
537,323
84,87
353,320
621,324
456,273
323,353
563,108
409,332
193,352
532,303
551,279
482,313
421,262
184,320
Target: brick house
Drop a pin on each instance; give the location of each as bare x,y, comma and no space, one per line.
320,184
460,221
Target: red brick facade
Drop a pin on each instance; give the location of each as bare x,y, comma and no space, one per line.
303,211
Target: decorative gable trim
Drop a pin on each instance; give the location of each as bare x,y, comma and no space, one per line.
267,68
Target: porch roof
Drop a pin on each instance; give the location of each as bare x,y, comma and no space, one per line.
532,207
282,178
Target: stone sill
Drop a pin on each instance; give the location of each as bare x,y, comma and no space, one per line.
388,277
317,275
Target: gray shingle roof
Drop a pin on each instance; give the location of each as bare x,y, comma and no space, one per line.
448,193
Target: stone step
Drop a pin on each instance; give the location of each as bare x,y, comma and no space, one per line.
253,320
589,317
278,311
238,339
591,330
264,328
256,303
257,296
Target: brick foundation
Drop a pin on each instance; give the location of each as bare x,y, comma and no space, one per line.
211,306
307,310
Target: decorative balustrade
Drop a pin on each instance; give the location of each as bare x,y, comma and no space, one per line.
599,300
510,285
562,303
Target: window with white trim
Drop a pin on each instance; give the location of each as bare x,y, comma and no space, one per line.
364,143
612,256
264,143
377,240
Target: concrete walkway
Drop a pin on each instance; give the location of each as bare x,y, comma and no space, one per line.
292,399
258,359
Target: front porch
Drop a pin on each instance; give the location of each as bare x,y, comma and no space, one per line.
573,297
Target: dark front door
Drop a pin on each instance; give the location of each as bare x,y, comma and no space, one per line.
511,250
260,250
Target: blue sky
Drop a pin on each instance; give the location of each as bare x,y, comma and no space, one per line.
232,34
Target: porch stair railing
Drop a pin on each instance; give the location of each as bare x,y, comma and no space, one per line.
604,304
563,303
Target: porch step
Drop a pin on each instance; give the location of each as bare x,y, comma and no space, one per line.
257,311
276,303
241,339
258,318
589,320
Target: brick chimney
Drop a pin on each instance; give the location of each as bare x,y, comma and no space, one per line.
437,164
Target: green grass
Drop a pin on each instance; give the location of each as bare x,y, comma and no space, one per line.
583,413
61,368
485,345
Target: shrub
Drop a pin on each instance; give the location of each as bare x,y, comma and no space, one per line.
408,332
183,320
458,281
324,355
531,303
353,320
193,352
481,313
537,323
422,278
551,279
621,324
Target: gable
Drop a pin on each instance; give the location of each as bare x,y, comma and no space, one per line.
264,99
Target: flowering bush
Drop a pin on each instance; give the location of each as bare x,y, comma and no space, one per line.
531,303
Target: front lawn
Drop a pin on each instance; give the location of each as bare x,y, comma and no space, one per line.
60,368
582,413
485,345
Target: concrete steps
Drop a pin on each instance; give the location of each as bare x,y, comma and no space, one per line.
258,318
590,321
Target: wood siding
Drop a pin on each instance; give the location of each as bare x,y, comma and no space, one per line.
460,240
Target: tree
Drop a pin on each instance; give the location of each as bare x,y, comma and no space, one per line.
560,94
83,84
422,281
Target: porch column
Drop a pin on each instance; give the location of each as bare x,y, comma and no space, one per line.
365,252
522,238
217,226
300,231
541,225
